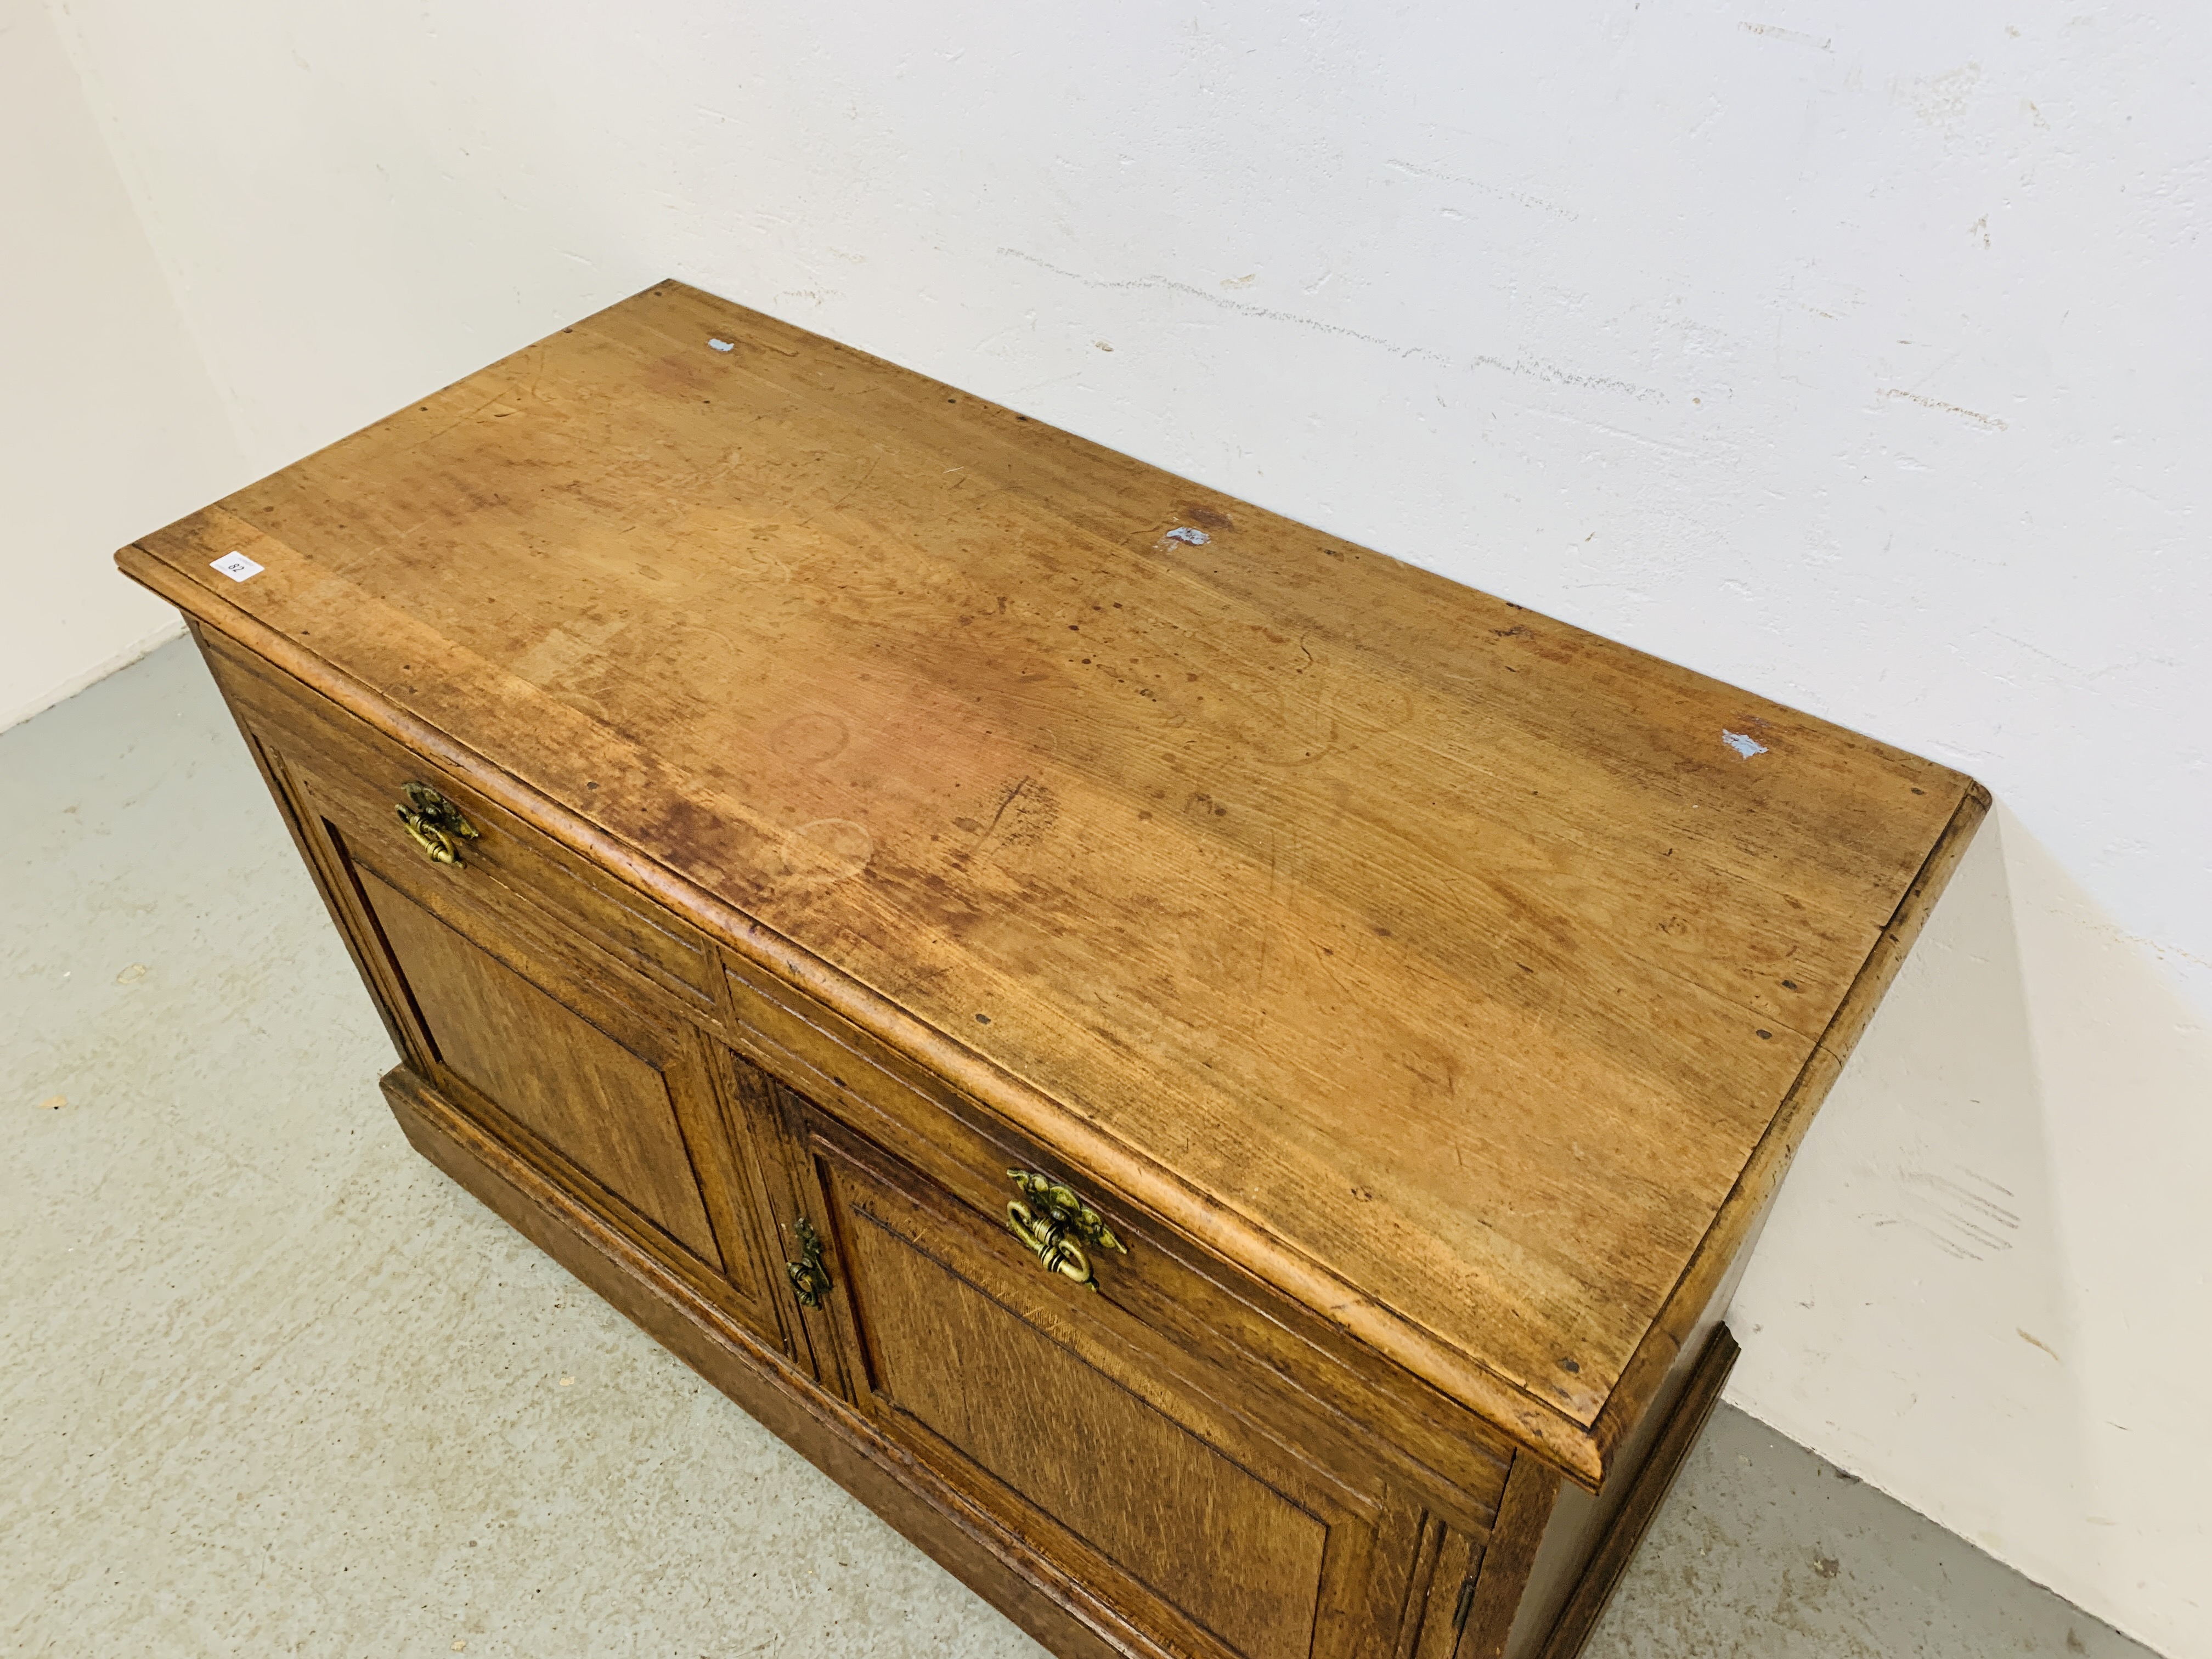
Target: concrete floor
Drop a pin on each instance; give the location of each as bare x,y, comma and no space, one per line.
272,1385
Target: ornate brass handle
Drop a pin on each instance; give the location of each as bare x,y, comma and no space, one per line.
809,1279
435,822
1054,1224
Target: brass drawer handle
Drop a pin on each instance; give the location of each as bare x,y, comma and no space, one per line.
435,822
1050,1220
809,1279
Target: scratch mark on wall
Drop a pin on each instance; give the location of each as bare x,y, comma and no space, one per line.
1795,37
1624,434
1963,1222
1527,367
1520,198
1991,421
2037,1342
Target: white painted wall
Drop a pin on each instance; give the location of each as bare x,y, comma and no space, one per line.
109,424
1856,353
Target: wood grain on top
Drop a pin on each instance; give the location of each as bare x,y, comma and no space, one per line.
1460,959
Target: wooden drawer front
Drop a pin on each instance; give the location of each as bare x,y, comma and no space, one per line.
1353,1412
361,770
1062,1428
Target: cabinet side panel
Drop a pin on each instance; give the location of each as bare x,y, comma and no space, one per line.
1570,1579
1624,1529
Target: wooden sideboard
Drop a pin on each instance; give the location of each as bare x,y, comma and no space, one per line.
1218,1080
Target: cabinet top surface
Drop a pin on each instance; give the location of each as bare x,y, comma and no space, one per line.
1463,955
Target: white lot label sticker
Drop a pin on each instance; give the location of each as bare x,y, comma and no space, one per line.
237,567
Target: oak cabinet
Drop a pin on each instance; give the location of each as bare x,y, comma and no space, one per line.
1220,1082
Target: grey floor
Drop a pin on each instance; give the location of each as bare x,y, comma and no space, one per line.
272,1385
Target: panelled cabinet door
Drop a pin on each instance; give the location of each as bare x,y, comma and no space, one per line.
607,1106
527,1034
1018,1391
